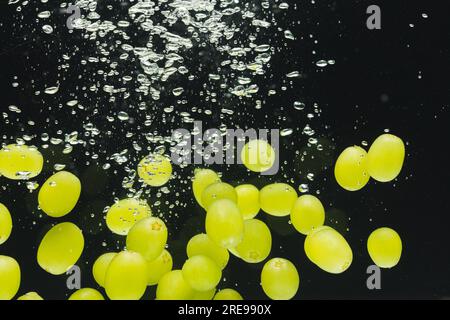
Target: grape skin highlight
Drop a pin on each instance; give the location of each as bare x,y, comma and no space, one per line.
385,247
280,279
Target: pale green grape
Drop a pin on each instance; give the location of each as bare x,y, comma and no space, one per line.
59,194
159,267
201,273
86,294
60,248
202,179
280,279
172,286
204,295
307,214
20,162
224,223
201,244
350,169
385,247
5,224
258,156
277,199
126,277
9,277
148,237
228,294
385,158
248,200
30,296
257,242
101,266
155,170
125,213
217,191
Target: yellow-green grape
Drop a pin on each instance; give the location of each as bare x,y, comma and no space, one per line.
20,162
385,158
350,169
277,199
217,191
385,247
258,156
248,200
101,266
86,294
59,194
127,276
159,267
125,213
30,296
202,179
155,170
279,279
60,248
204,295
307,214
201,273
172,286
148,237
328,249
5,224
201,244
9,277
224,223
257,242
228,294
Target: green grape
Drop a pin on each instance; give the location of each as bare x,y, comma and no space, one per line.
159,267
9,277
20,162
202,179
328,249
5,224
385,158
351,169
86,294
224,223
101,266
248,200
125,213
60,248
307,214
127,276
279,279
148,237
385,247
172,286
30,296
277,199
258,156
201,244
228,294
155,170
59,194
217,191
257,242
204,295
201,273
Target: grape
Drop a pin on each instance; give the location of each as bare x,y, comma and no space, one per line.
307,214
257,242
30,296
126,277
202,179
217,191
279,279
5,224
20,162
155,170
201,244
125,213
228,294
148,237
328,249
201,273
172,286
224,223
59,194
9,277
277,199
351,169
101,266
385,247
258,156
385,158
60,248
159,267
248,200
204,295
86,294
